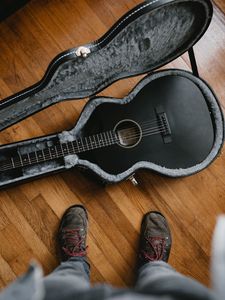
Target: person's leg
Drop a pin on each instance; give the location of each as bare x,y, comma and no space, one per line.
72,275
160,278
155,276
68,277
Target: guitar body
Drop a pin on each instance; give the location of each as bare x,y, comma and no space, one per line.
191,135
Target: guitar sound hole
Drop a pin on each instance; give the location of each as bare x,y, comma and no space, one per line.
129,133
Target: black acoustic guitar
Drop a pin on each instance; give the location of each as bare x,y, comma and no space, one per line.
167,123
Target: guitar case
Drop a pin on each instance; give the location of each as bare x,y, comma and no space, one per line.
149,36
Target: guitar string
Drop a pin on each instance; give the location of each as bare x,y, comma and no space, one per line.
61,154
108,141
102,143
29,160
136,134
10,167
99,138
100,135
135,127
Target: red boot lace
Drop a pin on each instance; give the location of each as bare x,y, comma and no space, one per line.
73,242
158,245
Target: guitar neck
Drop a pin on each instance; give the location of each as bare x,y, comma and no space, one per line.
60,150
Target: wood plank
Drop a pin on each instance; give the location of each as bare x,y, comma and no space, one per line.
40,252
220,4
6,273
30,213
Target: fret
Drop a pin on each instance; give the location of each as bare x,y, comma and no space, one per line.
50,152
110,140
20,158
70,150
105,138
78,145
112,137
43,154
96,145
53,151
90,142
104,142
73,148
64,148
40,155
67,147
55,155
61,147
87,145
82,144
28,156
93,142
36,155
25,158
57,152
13,164
32,157
101,140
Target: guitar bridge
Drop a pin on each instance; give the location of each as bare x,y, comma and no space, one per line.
164,124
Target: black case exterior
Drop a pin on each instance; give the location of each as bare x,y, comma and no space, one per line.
153,33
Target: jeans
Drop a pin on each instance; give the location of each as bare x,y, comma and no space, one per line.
155,280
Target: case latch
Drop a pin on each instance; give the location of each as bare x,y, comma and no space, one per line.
83,51
133,180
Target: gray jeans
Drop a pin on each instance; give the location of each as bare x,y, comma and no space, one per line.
155,280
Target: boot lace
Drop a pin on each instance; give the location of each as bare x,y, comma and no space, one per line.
73,242
158,244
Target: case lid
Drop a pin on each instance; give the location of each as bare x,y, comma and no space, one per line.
147,37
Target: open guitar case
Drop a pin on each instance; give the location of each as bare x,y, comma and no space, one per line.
149,36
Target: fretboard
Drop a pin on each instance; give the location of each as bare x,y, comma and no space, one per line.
103,139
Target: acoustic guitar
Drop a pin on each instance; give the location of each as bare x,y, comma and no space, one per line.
167,123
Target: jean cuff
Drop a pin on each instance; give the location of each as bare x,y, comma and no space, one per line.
85,262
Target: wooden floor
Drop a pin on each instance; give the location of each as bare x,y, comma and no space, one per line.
30,213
